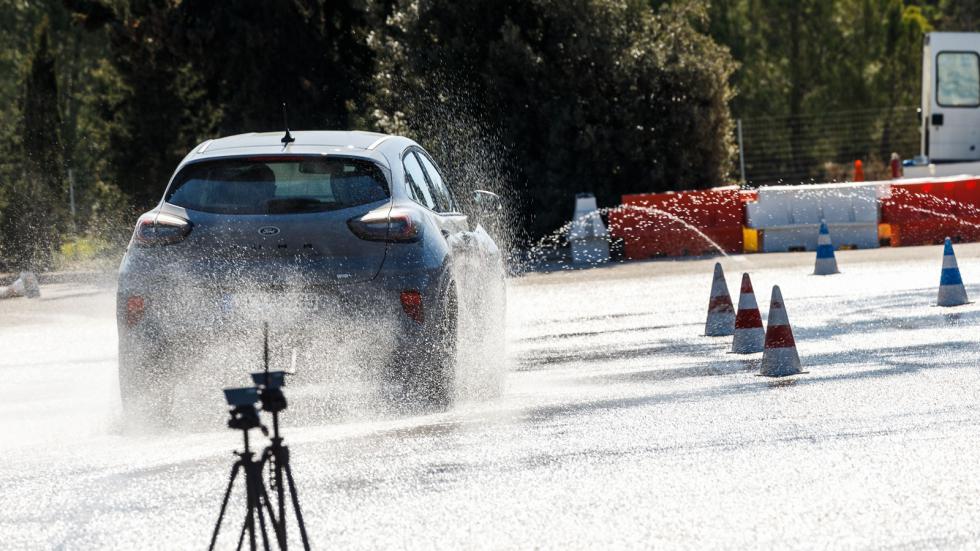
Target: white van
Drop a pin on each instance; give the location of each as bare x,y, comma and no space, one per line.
950,123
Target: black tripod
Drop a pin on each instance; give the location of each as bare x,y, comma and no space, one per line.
274,401
244,417
278,455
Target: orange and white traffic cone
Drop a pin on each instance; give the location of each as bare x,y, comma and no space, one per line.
750,337
779,359
721,313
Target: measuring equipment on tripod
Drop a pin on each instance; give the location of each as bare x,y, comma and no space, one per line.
270,385
245,416
277,454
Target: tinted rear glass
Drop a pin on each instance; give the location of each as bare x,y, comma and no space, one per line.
278,185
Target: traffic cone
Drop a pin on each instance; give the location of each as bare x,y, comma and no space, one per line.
750,337
779,359
826,263
31,287
721,313
24,286
951,290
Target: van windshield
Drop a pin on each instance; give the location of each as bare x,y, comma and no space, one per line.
278,185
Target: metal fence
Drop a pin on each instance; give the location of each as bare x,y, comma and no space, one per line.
794,149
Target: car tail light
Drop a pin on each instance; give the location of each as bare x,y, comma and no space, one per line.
135,306
154,229
392,225
412,304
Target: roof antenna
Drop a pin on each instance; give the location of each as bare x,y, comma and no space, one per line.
288,138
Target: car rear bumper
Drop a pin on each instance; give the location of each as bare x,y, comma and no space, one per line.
178,313
186,303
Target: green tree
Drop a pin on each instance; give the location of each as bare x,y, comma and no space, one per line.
581,95
900,55
154,104
83,83
310,54
34,208
823,80
960,15
188,71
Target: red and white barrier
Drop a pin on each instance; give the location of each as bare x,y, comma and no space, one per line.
680,223
925,211
912,212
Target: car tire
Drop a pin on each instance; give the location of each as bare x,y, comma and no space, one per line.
145,394
440,378
427,366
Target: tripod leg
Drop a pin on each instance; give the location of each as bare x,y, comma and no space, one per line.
295,499
264,532
224,504
281,496
280,526
256,490
241,539
249,524
270,455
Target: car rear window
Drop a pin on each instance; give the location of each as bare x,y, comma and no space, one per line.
277,185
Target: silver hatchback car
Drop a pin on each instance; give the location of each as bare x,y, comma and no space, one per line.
352,229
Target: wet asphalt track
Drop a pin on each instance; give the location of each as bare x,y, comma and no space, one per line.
619,426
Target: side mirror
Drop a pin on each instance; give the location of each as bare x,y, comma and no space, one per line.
487,200
487,206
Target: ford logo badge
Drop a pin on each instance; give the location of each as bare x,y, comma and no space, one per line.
268,230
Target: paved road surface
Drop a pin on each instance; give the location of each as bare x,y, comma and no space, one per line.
618,426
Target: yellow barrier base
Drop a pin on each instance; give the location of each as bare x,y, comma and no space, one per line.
751,242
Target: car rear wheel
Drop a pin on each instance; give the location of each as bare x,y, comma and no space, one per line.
146,394
429,368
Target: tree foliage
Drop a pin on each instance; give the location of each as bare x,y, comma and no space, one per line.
194,70
543,98
585,95
32,212
851,62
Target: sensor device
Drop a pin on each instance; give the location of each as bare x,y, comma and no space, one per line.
270,380
241,397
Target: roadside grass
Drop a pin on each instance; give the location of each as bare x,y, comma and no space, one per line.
87,253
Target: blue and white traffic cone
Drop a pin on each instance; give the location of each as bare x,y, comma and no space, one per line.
951,290
826,263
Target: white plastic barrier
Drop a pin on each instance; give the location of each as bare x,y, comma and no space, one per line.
588,235
789,216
